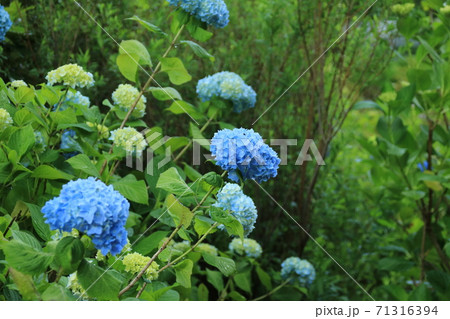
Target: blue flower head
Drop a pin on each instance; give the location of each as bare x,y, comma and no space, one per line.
212,12
5,23
244,151
241,206
228,86
299,270
94,208
68,143
423,166
71,99
248,247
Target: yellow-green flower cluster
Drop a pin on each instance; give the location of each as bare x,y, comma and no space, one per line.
5,119
74,285
445,9
18,83
103,131
207,248
72,75
388,96
125,96
248,247
129,139
135,262
403,9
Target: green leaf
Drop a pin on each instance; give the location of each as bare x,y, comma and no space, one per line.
213,179
182,107
69,253
128,66
150,243
181,214
415,195
197,134
149,26
197,32
172,182
38,220
183,272
132,189
232,225
394,264
264,278
67,116
201,226
202,293
363,105
236,296
215,278
225,265
25,285
99,283
48,172
84,164
165,94
136,48
56,292
24,95
199,50
421,293
175,69
22,140
25,254
243,281
408,26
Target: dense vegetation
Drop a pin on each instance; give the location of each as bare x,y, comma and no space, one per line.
370,87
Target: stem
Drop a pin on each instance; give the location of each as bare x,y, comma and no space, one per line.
141,290
224,294
272,291
59,103
141,273
144,88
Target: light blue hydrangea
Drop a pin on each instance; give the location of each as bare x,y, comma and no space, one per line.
244,151
91,207
299,270
228,86
212,12
249,248
5,23
232,198
73,99
68,143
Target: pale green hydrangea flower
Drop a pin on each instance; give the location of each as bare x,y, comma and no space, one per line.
403,9
207,248
445,9
18,83
248,247
388,96
5,119
182,246
135,262
72,75
129,139
74,285
125,96
103,131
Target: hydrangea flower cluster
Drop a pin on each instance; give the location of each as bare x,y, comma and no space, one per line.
73,98
181,246
18,83
40,144
299,270
135,262
388,96
94,208
403,9
445,9
72,75
129,139
213,12
5,119
207,248
68,143
103,131
249,247
228,86
244,151
5,23
231,198
125,96
74,285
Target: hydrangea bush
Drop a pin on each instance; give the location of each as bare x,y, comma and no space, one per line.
74,209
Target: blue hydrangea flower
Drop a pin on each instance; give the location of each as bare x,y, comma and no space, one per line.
249,248
423,166
299,270
213,12
94,208
231,198
73,98
68,143
228,86
244,151
40,144
5,23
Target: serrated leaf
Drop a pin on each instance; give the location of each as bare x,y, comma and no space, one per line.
165,94
38,220
199,50
84,164
225,265
128,66
172,182
215,278
180,213
69,253
48,172
132,189
183,272
149,26
232,225
136,48
175,69
182,107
